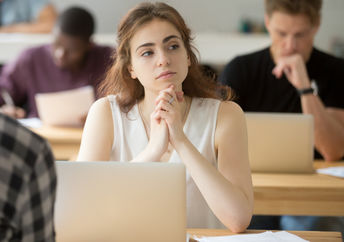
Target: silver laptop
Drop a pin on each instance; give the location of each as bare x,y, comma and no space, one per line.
280,142
117,201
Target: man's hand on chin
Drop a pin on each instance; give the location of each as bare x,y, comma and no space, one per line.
293,66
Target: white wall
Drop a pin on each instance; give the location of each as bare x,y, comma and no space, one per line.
211,16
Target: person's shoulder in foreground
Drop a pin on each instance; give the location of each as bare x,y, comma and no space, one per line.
28,181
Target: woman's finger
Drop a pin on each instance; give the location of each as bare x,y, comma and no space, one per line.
180,96
164,106
163,96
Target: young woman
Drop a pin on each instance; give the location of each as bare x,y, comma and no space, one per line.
159,107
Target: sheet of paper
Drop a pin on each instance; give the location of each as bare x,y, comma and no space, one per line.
66,108
265,236
337,171
31,122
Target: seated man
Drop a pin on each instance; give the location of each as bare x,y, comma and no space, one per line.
26,16
293,76
284,76
28,184
71,61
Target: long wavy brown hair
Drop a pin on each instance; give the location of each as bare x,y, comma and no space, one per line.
129,91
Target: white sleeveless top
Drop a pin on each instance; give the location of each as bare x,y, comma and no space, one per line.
130,139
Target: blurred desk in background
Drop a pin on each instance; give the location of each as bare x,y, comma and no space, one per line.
64,141
216,49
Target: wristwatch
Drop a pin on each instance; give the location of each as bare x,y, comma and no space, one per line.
313,89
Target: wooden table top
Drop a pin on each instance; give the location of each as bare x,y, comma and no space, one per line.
299,194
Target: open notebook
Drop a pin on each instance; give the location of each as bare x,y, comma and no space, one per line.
280,142
118,201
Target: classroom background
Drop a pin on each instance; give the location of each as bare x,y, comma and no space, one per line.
219,17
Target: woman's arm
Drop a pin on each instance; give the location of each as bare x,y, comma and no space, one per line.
233,162
98,134
228,190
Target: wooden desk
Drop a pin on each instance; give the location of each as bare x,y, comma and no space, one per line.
314,236
65,142
299,194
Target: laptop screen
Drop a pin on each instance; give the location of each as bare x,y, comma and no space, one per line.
117,201
280,142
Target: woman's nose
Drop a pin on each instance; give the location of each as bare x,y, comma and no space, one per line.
163,59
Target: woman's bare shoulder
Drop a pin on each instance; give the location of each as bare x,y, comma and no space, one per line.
102,105
230,109
100,111
230,117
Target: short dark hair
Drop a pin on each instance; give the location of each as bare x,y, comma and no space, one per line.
310,8
76,21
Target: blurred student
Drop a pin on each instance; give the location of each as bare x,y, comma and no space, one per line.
27,16
71,61
293,76
160,107
28,184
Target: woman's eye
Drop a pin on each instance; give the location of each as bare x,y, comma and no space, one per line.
173,47
147,53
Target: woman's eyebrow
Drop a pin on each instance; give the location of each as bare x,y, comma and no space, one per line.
170,37
164,41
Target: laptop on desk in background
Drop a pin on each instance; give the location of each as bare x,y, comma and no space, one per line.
280,142
119,201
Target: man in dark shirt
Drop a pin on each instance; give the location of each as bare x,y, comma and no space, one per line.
27,184
71,61
293,76
284,76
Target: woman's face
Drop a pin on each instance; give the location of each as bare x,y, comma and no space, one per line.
158,56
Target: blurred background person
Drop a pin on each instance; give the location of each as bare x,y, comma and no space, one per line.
71,61
293,76
27,16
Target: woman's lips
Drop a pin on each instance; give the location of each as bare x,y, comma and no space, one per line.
166,74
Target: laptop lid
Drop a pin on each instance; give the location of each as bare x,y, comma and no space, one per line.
119,201
280,142
52,108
